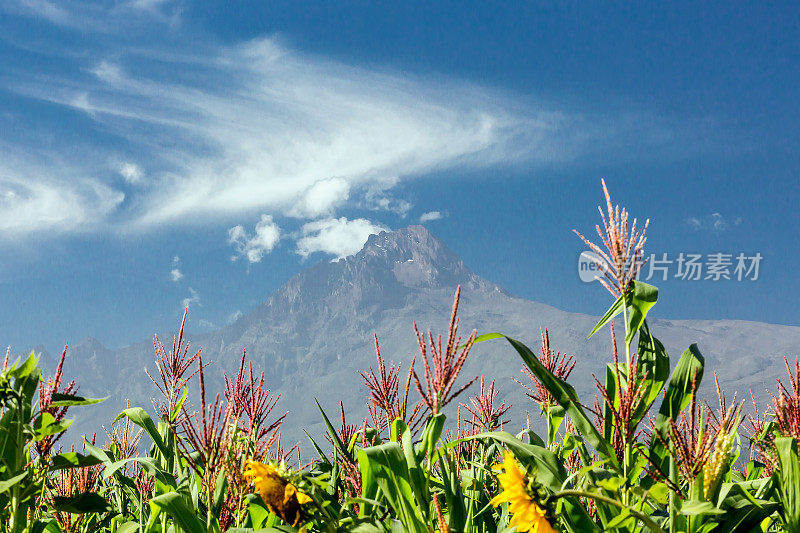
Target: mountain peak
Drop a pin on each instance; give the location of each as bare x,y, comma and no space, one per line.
392,267
414,243
412,234
416,258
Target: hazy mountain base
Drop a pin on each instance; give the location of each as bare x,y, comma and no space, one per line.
314,335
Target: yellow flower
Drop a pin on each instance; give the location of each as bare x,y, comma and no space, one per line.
526,513
281,497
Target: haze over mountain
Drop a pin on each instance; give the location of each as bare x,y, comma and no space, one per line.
315,333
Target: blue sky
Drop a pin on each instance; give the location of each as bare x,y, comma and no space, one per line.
156,153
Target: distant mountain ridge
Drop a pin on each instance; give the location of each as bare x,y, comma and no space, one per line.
314,334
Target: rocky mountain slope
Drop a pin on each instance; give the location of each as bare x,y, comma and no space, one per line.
314,334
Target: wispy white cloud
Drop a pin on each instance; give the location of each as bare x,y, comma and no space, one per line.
265,129
254,246
233,317
131,172
299,132
378,197
99,16
33,200
338,237
49,11
715,223
230,133
429,216
192,299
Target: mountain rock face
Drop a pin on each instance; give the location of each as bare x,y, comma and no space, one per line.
315,333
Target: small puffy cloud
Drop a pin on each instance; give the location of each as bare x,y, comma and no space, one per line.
233,317
131,172
336,236
378,198
430,215
714,223
253,247
175,274
108,72
192,299
321,198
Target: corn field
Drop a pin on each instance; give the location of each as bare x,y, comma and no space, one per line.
646,454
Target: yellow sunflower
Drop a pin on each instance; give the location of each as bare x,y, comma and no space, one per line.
281,497
527,515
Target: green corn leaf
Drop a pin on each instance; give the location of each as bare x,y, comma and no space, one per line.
220,491
555,416
139,416
639,301
679,391
611,484
624,515
699,508
73,460
70,400
174,505
567,398
8,483
97,452
484,337
46,425
48,526
743,512
322,456
179,404
256,510
29,367
453,495
431,434
678,395
789,481
337,442
659,492
613,393
533,438
614,310
653,367
386,465
754,469
413,461
88,502
129,527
